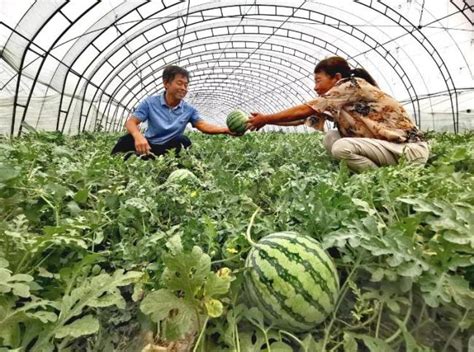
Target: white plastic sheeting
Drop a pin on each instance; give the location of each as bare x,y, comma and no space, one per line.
84,65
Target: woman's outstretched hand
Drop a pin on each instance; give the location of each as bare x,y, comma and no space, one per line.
256,121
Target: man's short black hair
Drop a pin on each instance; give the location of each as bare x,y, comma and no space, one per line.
171,71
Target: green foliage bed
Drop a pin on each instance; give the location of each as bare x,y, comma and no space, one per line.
100,254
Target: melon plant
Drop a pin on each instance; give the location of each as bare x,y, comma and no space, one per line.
237,121
291,280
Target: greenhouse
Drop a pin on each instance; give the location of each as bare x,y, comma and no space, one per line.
255,175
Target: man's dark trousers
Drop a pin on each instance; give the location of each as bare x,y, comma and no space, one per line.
126,144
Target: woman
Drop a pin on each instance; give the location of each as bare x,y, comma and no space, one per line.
373,129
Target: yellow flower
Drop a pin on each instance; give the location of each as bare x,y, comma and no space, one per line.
224,272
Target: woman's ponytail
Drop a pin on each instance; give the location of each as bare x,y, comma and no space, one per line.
362,73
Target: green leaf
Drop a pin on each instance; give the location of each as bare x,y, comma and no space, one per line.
62,151
162,305
444,288
255,316
410,342
456,237
279,346
350,343
421,205
159,304
81,195
373,344
186,271
174,244
56,190
210,229
17,284
377,275
113,297
462,294
364,206
21,290
251,341
73,208
22,278
310,344
86,294
44,316
217,285
84,326
410,269
3,263
8,172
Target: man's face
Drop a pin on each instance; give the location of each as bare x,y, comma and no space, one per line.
324,82
178,87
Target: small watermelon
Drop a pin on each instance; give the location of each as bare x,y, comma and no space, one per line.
237,121
291,280
181,176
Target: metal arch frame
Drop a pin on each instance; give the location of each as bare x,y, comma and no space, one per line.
200,54
27,49
81,76
244,75
160,58
216,88
71,23
231,105
312,43
337,27
140,34
447,78
448,33
270,77
117,125
458,93
199,90
20,69
263,66
104,29
466,6
227,91
257,76
197,83
200,83
377,45
331,26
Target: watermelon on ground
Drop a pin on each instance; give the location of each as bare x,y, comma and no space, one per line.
181,176
292,280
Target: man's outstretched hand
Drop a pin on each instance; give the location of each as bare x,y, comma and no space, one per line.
233,134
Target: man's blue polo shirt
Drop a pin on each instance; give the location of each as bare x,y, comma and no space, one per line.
164,122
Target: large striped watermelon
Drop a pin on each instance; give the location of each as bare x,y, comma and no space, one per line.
292,280
237,121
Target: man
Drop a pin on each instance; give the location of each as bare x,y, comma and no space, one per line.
167,116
